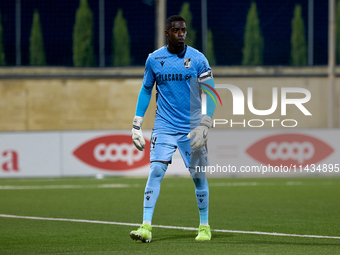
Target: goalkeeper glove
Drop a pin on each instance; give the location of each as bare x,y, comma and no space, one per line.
200,133
137,134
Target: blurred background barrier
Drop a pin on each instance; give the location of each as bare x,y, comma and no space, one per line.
259,153
38,99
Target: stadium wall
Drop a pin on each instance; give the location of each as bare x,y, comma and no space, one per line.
238,153
45,99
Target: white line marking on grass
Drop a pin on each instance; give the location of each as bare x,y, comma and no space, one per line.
163,226
115,185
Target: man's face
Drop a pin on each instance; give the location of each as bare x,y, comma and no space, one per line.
177,34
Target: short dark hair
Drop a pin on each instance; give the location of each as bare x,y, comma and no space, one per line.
172,19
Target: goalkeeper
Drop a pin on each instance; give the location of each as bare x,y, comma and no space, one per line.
178,121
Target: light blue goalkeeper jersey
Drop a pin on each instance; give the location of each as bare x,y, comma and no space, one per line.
172,74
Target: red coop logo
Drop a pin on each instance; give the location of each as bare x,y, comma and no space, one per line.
113,152
286,149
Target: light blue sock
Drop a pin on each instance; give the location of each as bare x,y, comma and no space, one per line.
202,196
153,185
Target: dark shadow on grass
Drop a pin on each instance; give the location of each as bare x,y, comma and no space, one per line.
190,236
173,237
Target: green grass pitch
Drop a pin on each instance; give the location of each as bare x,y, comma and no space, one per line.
309,206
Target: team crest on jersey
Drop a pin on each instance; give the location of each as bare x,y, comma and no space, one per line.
187,62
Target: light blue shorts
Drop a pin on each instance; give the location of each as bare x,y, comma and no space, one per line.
165,143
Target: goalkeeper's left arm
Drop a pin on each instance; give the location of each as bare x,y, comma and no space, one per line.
200,133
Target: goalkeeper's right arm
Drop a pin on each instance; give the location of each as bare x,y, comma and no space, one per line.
142,105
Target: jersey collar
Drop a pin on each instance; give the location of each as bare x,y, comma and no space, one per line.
180,55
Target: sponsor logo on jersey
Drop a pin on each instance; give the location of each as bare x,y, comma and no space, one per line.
187,62
113,153
287,149
160,57
162,63
170,77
